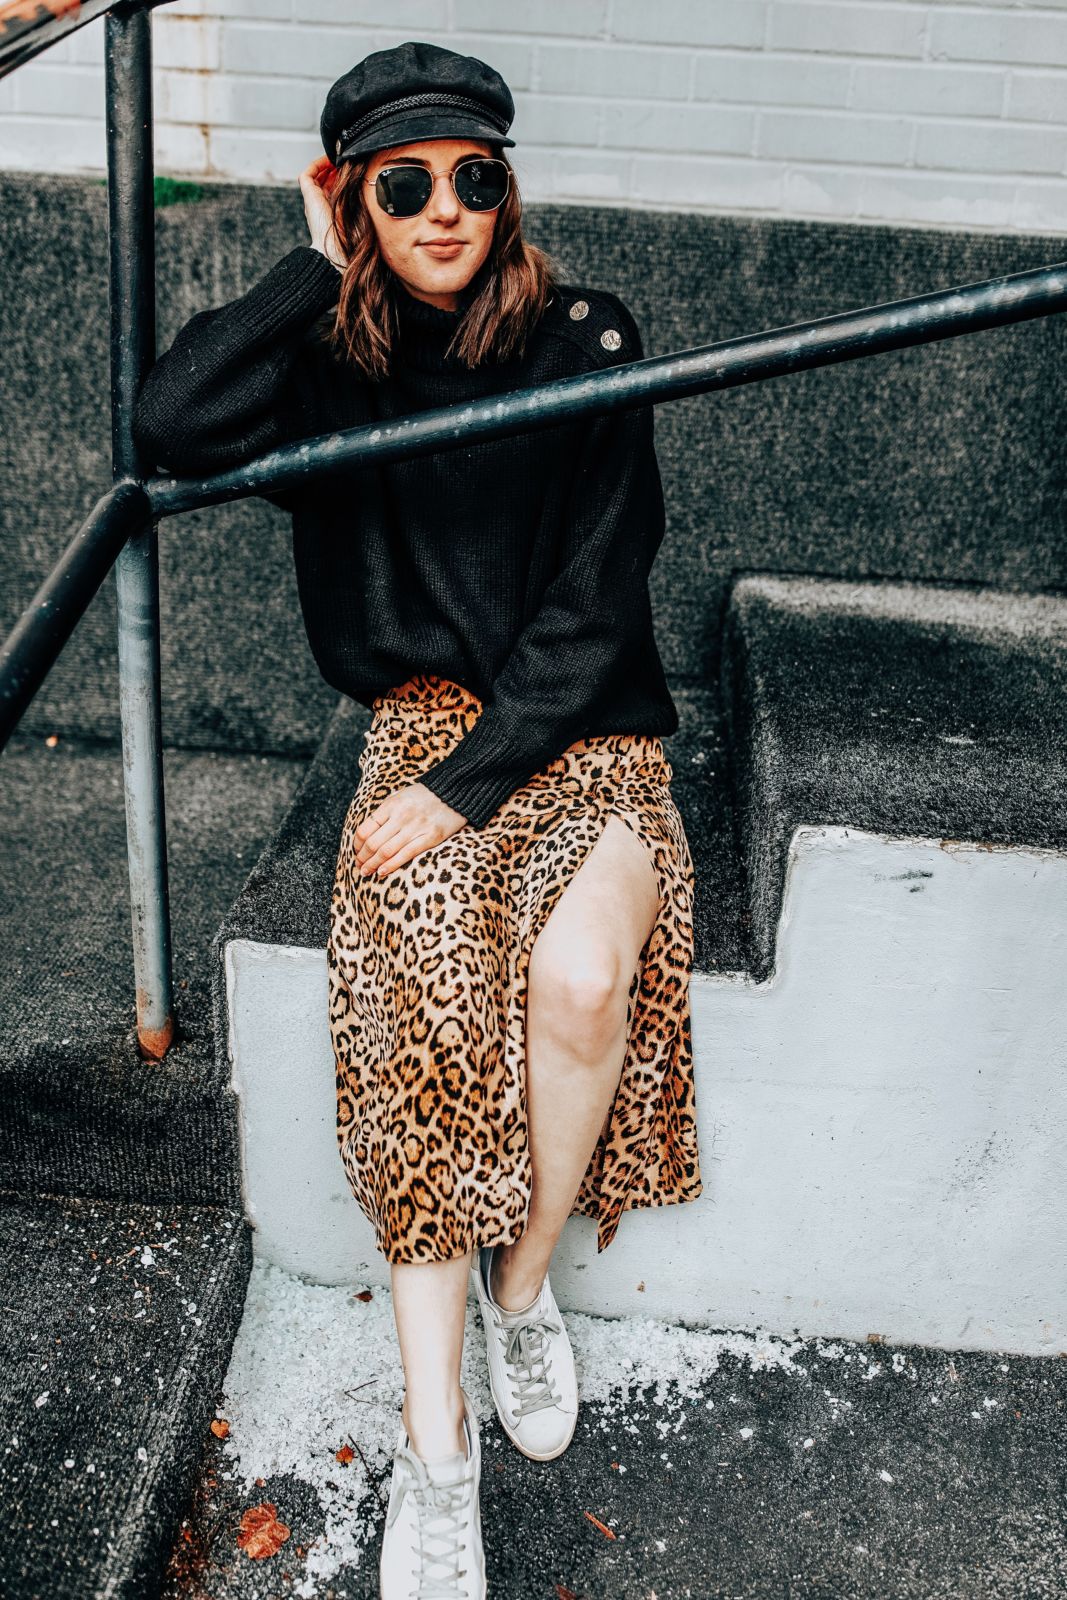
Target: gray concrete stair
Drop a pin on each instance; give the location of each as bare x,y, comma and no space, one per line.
80,1111
118,1320
102,1153
902,708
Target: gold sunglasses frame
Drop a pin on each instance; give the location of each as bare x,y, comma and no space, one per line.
371,183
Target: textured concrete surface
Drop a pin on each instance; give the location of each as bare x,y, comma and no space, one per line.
116,1328
866,1471
897,708
80,1110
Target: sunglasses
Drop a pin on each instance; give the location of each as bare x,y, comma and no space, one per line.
480,183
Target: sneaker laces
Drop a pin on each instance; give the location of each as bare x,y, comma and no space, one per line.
525,1351
441,1509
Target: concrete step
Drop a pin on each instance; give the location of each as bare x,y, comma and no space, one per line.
899,708
117,1328
81,1112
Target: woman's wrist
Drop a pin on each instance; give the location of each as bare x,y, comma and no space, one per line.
321,248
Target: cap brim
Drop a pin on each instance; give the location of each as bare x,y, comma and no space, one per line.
407,128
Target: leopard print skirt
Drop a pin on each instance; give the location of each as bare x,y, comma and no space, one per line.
427,970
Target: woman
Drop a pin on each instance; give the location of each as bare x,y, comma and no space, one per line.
508,1054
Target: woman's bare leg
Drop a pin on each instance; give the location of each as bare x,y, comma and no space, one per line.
581,967
429,1307
580,970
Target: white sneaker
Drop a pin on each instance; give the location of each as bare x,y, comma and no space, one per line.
432,1548
531,1367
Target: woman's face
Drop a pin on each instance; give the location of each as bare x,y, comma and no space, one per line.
406,242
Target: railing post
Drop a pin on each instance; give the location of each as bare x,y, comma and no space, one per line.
131,220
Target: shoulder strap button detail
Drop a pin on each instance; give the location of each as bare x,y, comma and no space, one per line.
579,309
611,338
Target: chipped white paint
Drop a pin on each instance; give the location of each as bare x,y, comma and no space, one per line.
882,1122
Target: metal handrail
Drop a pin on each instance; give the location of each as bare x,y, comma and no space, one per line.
36,641
120,531
727,364
41,632
106,538
26,32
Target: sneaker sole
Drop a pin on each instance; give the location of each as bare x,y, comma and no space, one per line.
534,1455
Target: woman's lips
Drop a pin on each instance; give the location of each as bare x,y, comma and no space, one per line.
452,248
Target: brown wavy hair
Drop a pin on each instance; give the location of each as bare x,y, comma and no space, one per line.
518,279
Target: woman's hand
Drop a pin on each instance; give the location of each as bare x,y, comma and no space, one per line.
316,181
408,822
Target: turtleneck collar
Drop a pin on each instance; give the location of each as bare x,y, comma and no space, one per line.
426,330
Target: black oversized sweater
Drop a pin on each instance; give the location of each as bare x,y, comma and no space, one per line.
517,567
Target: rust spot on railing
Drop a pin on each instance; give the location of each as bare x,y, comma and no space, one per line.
35,11
153,1043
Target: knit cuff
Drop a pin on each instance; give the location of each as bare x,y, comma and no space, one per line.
299,287
319,279
478,775
319,251
475,799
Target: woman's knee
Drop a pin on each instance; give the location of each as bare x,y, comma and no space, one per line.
579,995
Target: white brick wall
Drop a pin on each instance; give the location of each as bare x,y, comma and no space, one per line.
946,114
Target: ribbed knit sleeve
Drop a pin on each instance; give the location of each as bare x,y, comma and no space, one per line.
592,615
223,392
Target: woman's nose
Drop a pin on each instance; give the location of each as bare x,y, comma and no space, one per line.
442,201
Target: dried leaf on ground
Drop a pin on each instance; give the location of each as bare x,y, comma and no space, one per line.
261,1533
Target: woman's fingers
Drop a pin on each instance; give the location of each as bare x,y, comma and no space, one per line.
318,175
389,850
374,833
317,208
412,846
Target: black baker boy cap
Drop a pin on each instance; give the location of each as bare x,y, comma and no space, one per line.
414,91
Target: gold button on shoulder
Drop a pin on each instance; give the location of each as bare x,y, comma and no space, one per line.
579,309
611,338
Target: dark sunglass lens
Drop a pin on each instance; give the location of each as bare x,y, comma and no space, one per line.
481,185
403,191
